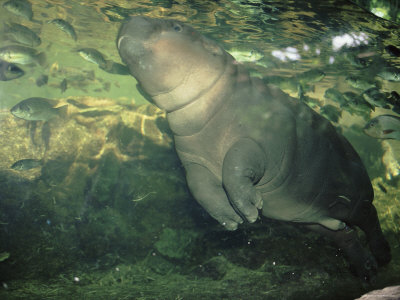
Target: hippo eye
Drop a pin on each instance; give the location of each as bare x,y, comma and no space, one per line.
177,27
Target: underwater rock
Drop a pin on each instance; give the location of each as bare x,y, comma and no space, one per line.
105,182
215,268
175,243
79,141
388,293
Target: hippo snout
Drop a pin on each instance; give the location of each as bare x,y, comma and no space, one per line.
140,29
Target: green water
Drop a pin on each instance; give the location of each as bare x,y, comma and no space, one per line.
107,214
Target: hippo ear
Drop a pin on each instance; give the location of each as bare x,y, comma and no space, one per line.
211,47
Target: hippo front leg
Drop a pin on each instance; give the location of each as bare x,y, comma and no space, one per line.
243,167
208,191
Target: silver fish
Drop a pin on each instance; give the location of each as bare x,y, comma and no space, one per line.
390,74
335,95
22,8
26,164
66,27
22,55
63,85
94,56
355,60
42,80
375,98
332,113
356,104
21,34
310,76
384,127
360,83
116,68
38,109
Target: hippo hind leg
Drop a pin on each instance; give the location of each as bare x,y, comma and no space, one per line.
364,216
362,263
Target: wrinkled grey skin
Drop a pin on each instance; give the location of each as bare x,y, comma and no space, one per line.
247,146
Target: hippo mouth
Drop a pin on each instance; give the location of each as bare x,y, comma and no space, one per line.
130,48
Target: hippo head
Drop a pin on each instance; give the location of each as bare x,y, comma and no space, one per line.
172,62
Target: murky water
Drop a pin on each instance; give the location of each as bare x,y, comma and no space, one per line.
100,209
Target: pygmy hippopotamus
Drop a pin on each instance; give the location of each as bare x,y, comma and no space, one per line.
247,146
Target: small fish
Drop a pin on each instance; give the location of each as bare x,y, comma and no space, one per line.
21,34
360,83
356,104
310,76
382,187
392,50
26,164
94,56
63,85
9,71
42,80
22,8
38,109
115,68
311,102
22,55
4,256
336,96
390,74
77,104
66,27
246,55
351,97
375,98
331,112
356,61
284,83
384,127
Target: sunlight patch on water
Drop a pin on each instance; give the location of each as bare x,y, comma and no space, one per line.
289,53
349,40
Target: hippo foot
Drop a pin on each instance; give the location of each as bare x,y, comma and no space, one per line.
381,250
230,224
362,262
243,167
366,269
